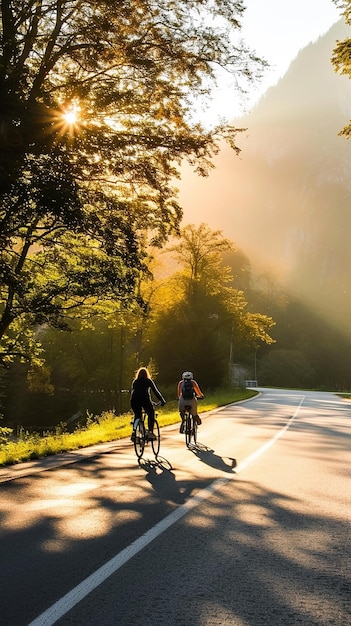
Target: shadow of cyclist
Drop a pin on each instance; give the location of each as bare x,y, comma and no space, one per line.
208,456
163,481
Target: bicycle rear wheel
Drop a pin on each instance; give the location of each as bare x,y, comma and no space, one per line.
190,430
155,443
194,430
139,442
187,423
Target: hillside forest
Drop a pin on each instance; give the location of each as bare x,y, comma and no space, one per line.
202,309
98,273
192,316
286,201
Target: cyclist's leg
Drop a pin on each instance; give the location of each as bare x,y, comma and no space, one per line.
194,412
181,408
150,411
137,410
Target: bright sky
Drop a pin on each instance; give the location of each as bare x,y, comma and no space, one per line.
277,30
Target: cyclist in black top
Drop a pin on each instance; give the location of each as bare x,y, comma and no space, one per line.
141,399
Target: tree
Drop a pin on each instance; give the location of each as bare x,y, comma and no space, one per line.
206,323
200,252
341,58
95,118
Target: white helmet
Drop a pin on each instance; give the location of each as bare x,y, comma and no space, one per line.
187,375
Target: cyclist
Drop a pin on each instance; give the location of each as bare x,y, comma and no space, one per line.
140,399
188,391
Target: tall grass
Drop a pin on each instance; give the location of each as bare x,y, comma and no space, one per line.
99,429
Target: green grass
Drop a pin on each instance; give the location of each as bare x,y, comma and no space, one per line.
100,429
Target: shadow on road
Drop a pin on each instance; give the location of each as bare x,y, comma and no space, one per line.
208,456
163,481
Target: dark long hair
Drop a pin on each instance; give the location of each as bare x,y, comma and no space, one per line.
142,372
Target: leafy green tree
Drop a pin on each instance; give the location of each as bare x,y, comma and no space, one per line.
95,118
88,369
203,324
95,363
200,252
341,58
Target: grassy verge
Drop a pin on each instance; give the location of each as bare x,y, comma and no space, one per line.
103,428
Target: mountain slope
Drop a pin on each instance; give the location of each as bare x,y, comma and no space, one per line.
287,199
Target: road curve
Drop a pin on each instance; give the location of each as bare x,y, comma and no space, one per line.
251,527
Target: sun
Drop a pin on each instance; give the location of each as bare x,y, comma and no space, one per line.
71,115
68,119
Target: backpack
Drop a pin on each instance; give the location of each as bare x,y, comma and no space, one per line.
187,389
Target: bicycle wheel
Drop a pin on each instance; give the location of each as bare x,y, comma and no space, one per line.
187,420
194,430
155,443
139,443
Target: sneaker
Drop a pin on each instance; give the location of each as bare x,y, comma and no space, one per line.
151,436
181,429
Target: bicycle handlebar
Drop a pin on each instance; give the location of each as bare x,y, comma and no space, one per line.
196,397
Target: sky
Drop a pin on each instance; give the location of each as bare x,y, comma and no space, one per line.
277,30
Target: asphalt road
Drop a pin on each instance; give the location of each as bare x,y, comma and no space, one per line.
252,527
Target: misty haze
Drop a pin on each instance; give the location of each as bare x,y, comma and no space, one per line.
285,201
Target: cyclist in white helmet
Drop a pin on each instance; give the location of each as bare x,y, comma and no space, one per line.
188,392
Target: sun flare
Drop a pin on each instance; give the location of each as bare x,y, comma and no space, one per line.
71,115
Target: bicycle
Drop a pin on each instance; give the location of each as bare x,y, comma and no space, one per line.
141,438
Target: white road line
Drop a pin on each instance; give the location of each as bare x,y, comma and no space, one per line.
269,443
62,606
73,597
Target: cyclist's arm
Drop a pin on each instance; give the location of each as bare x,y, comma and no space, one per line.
179,389
157,393
197,389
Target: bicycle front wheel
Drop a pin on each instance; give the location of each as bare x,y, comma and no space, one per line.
155,443
139,442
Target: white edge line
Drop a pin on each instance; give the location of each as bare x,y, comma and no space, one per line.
78,593
73,597
268,443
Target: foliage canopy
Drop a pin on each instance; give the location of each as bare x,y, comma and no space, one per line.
341,57
203,323
95,118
